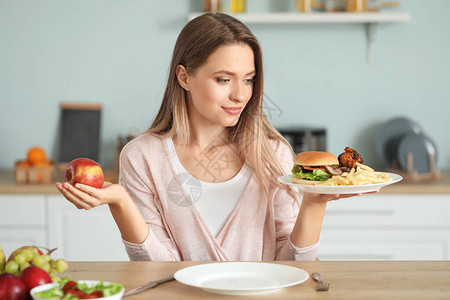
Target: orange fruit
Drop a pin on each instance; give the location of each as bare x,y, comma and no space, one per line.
36,155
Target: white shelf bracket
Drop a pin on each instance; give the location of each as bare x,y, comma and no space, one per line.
371,30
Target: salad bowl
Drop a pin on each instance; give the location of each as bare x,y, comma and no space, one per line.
88,283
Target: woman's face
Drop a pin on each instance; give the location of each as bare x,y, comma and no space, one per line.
221,88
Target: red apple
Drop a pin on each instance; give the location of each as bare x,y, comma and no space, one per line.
12,288
34,276
85,171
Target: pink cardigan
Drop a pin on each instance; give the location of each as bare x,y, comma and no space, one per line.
177,230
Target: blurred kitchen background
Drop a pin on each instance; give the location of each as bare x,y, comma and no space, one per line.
97,69
117,53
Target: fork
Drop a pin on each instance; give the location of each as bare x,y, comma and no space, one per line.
322,287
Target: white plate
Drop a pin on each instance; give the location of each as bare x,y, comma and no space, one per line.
341,189
241,278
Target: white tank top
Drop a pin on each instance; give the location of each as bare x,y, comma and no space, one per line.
214,200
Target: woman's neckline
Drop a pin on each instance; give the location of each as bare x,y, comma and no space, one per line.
244,171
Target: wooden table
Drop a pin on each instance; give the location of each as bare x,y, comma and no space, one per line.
349,280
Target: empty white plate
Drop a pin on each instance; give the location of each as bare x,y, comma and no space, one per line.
241,278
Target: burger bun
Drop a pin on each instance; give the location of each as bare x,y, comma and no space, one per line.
306,181
315,158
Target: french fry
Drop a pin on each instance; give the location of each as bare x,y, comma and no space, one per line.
361,175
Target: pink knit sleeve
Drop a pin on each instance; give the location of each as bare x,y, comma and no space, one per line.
286,208
158,246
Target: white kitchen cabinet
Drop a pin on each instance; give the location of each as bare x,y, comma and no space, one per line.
369,227
385,227
22,210
385,244
22,221
53,222
82,235
13,238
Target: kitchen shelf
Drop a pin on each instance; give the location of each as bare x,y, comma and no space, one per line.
323,17
371,19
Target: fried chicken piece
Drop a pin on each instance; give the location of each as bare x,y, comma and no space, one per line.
349,158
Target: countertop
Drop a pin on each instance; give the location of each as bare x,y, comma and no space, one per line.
348,279
8,186
442,186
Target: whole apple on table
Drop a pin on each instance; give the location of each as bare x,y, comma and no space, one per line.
12,287
18,287
85,171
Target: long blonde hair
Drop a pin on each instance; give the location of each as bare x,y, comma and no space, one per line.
253,134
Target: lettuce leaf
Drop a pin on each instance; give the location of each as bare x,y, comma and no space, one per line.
318,175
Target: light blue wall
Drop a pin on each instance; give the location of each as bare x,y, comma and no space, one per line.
118,52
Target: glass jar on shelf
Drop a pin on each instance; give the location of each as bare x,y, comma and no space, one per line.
238,6
211,5
304,5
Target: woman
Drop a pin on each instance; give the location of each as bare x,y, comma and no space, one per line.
201,183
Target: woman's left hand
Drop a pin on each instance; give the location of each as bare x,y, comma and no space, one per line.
87,197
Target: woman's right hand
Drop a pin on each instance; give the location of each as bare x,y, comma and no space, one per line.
87,197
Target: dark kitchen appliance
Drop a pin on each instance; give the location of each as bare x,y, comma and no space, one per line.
80,131
305,138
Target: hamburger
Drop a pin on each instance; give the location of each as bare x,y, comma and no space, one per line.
313,167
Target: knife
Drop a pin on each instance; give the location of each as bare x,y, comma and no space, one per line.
149,285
